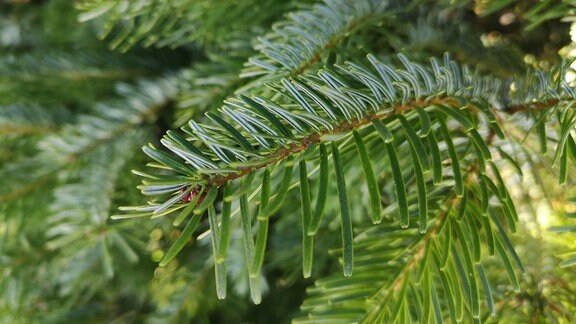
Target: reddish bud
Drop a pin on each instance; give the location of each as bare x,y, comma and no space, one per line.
192,194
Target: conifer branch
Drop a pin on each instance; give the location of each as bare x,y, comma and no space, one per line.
69,144
342,128
298,44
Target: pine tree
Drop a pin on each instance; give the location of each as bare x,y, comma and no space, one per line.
259,161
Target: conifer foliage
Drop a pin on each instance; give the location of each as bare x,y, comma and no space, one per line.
308,161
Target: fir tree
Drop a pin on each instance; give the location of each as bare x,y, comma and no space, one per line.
274,161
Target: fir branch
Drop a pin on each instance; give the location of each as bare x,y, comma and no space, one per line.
78,222
35,67
28,187
90,133
153,22
357,103
457,88
384,295
342,128
31,120
260,133
390,259
72,142
298,43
